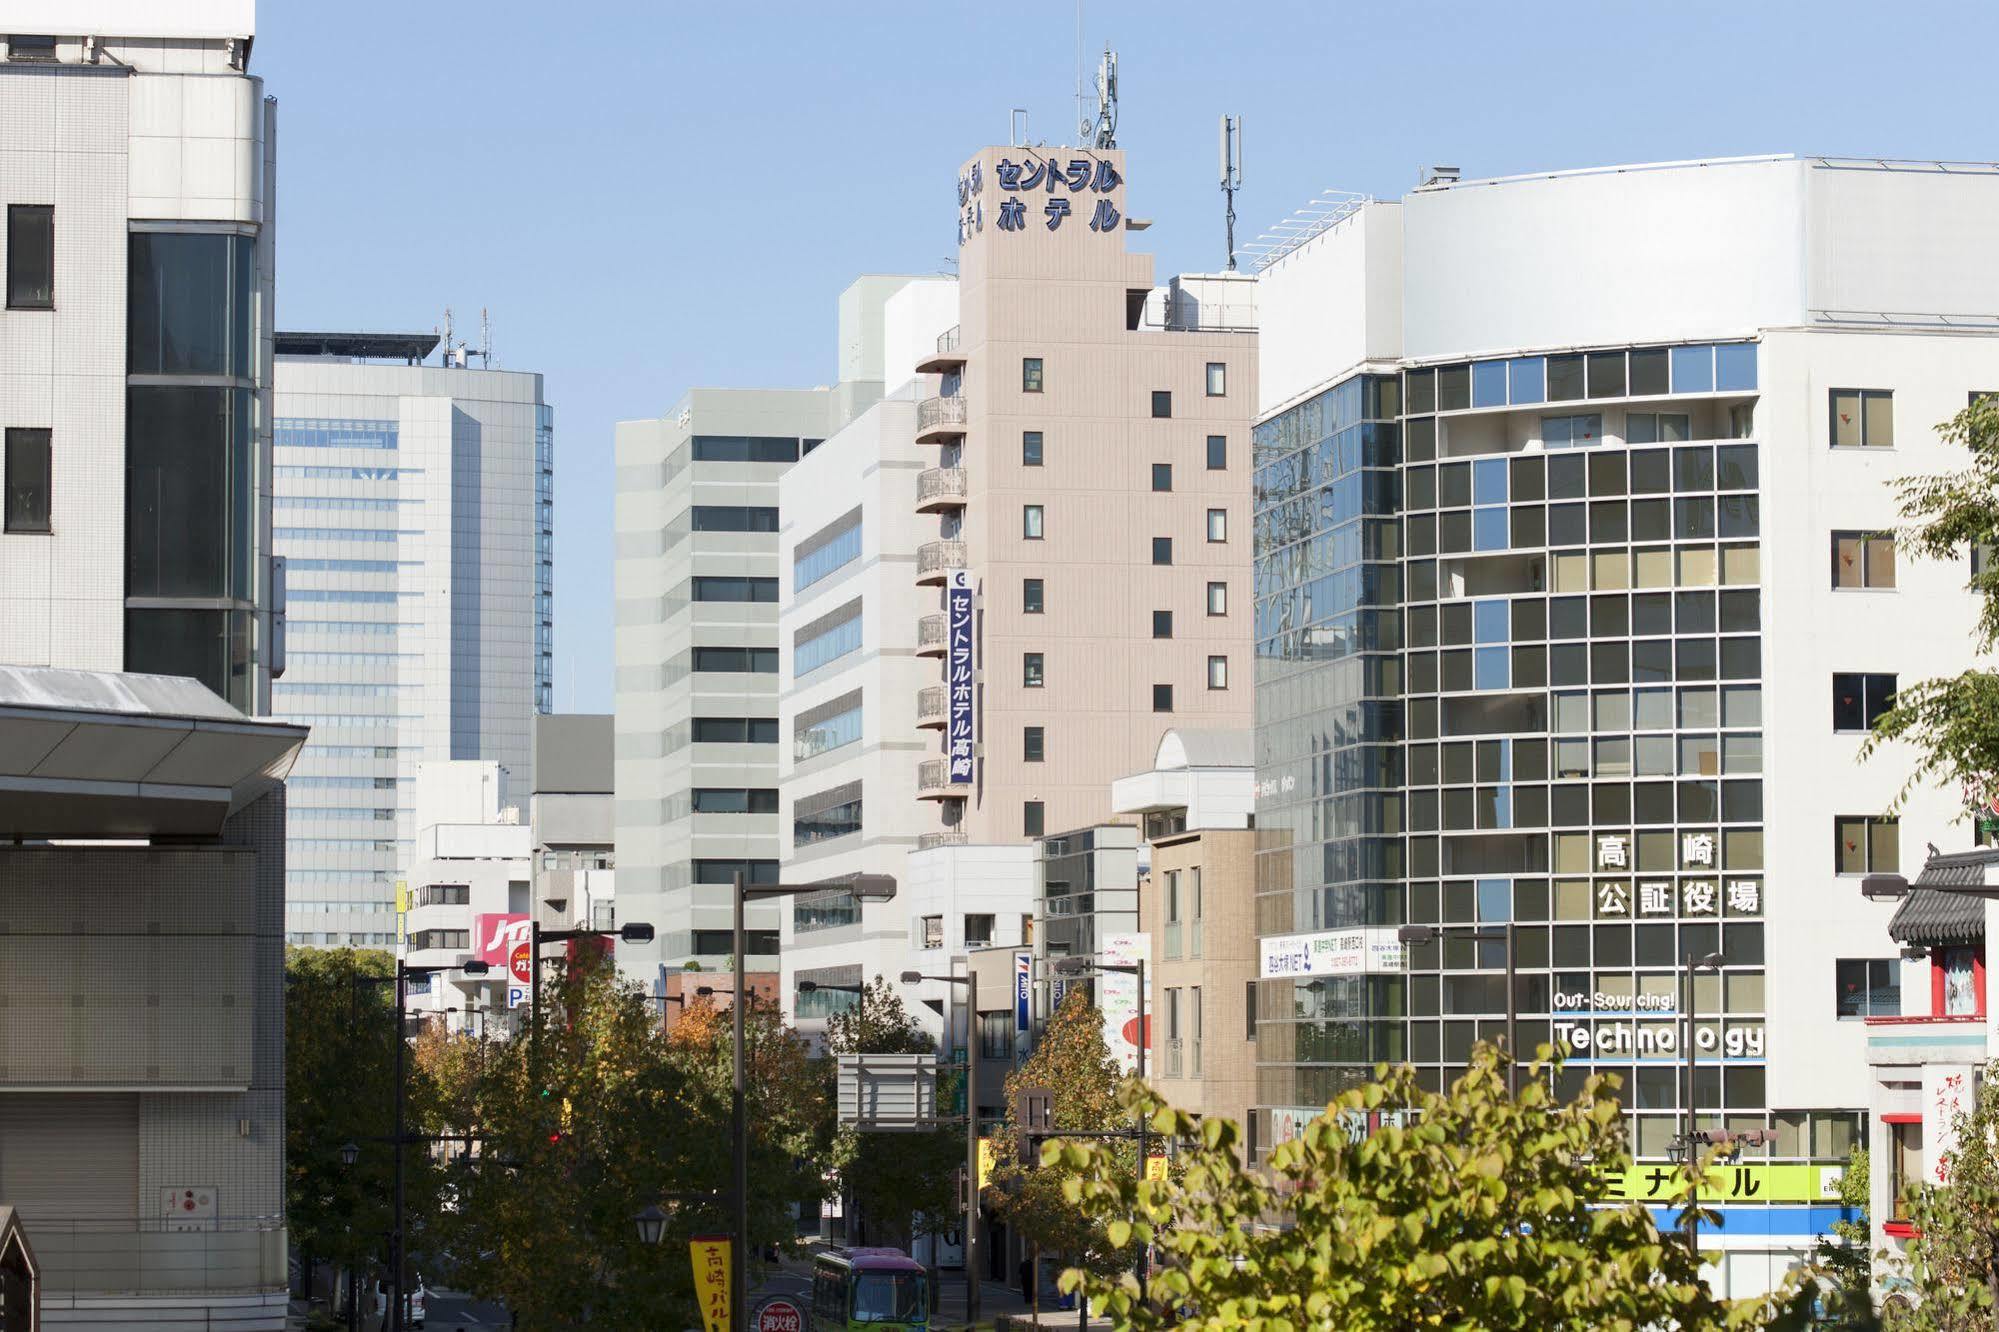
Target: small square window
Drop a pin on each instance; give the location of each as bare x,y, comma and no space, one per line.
1030,374
1218,452
1030,448
25,481
1030,670
1162,476
1866,844
1162,624
1162,698
1162,550
1033,744
1218,598
1218,524
1162,403
1863,419
1031,596
1030,521
1859,700
1218,379
1033,818
1218,672
1863,559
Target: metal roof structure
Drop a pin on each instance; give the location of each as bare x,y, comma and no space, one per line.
1939,911
411,347
108,754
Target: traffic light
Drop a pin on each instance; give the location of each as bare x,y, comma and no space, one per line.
1033,1113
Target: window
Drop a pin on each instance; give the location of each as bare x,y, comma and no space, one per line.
1249,1010
1218,452
732,518
1218,524
1030,448
1571,432
1162,476
745,448
734,800
826,727
930,932
832,547
735,589
1959,987
735,660
32,48
1863,419
1218,379
1162,698
1218,672
1173,1033
826,639
979,932
995,1036
1033,818
1866,844
1905,1162
26,480
1162,550
1218,598
1030,670
1030,521
1162,403
1194,1032
31,256
829,814
735,730
1868,987
1033,744
1031,596
1030,374
453,939
1859,700
1162,624
1860,559
444,894
1657,427
190,473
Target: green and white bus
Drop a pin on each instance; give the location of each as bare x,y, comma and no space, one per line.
869,1290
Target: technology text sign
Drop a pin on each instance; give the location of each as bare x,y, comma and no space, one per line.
958,676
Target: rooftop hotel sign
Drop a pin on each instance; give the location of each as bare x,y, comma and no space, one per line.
1036,191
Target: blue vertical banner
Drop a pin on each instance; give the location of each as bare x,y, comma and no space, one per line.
1023,980
958,675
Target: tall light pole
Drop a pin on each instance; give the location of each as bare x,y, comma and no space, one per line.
1082,966
970,980
635,932
865,888
1416,935
1691,963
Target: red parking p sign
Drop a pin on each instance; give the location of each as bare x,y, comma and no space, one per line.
780,1315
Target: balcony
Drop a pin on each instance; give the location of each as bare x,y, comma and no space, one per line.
939,489
932,707
933,782
940,420
936,560
932,840
946,357
933,634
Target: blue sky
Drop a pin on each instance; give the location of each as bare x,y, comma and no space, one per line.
649,196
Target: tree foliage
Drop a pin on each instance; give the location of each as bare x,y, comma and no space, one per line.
1477,1215
1952,722
1953,1259
901,1184
1841,1267
1071,1060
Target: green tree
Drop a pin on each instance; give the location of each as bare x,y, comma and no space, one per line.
1478,1215
1841,1266
900,1183
1953,1258
1952,722
1071,1060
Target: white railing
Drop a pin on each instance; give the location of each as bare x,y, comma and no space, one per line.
933,412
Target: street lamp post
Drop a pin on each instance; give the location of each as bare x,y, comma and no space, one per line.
866,888
1423,934
1692,962
1080,966
636,932
970,980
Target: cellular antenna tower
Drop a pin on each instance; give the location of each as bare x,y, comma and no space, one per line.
1231,167
1104,133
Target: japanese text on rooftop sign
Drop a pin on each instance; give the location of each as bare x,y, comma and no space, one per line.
958,676
1055,181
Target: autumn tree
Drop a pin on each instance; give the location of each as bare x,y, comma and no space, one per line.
1953,1257
1070,1059
1482,1213
1952,722
902,1184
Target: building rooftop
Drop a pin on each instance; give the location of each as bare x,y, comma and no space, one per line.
1937,913
411,347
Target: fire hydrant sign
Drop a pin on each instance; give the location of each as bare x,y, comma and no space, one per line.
711,1280
780,1315
188,1208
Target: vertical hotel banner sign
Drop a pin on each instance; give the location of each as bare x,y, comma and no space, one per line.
959,735
711,1280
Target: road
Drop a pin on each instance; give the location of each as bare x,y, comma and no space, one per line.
447,1312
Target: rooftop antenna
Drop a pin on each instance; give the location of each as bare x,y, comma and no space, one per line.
1083,124
1104,133
1231,166
485,340
444,343
1017,130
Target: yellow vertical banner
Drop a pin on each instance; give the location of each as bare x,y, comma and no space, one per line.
1155,1168
985,1162
402,908
711,1280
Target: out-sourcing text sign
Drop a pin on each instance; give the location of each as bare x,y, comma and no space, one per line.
959,736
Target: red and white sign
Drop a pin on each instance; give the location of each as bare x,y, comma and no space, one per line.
494,938
188,1209
521,964
780,1315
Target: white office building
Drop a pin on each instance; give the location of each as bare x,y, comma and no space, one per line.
469,890
413,510
1572,611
